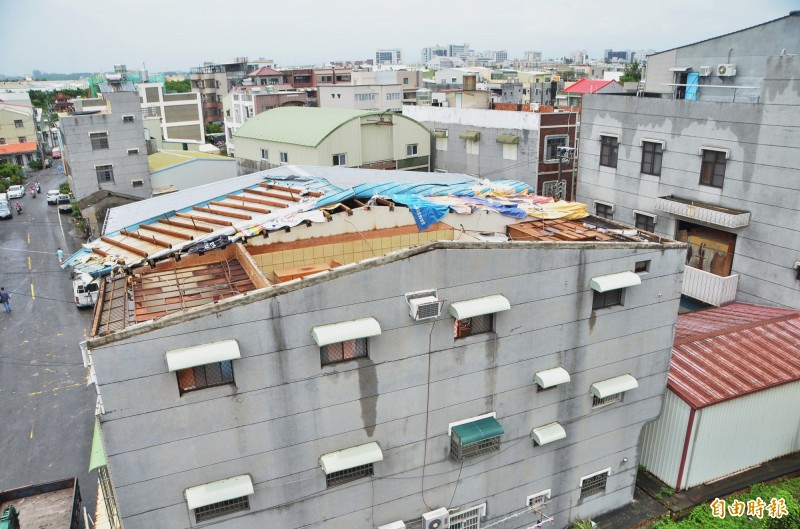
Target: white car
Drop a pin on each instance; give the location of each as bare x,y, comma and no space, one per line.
52,196
85,289
16,191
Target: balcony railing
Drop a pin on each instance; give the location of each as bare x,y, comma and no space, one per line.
726,217
709,288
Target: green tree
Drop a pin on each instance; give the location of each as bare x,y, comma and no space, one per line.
178,86
632,73
214,128
10,175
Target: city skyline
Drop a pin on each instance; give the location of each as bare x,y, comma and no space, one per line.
303,34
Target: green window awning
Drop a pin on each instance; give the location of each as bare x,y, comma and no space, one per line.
97,458
475,431
439,133
471,135
510,139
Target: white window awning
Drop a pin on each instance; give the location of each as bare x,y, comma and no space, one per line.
551,377
612,386
615,281
680,69
217,491
548,433
350,458
200,355
346,330
461,310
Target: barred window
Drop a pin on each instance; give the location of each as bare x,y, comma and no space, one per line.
99,140
348,474
594,485
609,298
128,119
343,351
460,451
712,170
18,123
645,222
105,173
597,402
474,325
221,508
604,210
206,376
609,149
651,158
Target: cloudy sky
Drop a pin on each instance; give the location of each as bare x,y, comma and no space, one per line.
67,36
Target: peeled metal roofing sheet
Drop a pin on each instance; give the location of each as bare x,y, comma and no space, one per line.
734,353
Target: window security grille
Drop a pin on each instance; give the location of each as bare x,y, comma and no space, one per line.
594,485
105,173
474,325
556,189
343,351
348,474
222,508
99,140
645,222
466,519
598,402
484,446
205,376
608,298
609,150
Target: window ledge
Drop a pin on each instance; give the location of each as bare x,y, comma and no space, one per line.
199,395
475,338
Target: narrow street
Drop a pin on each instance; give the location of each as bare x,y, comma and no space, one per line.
46,407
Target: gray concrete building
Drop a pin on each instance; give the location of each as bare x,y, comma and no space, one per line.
104,143
503,144
343,368
710,156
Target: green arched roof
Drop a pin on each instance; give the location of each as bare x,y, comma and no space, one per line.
302,125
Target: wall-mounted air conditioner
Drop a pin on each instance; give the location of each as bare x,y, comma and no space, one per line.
435,519
726,70
423,305
705,71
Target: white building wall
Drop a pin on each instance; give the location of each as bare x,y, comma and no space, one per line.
743,432
194,173
663,440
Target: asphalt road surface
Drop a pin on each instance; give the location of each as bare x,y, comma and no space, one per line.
46,408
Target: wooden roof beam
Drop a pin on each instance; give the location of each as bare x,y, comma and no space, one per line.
127,247
242,206
213,211
164,231
187,225
273,194
147,238
200,218
291,190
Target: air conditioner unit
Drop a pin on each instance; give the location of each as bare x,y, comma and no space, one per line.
705,71
394,525
436,519
726,70
423,305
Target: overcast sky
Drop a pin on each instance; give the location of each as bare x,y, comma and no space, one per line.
67,36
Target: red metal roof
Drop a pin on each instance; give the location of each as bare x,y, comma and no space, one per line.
587,86
731,351
17,148
265,70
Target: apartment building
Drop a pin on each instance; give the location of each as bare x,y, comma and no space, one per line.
389,56
104,145
317,358
372,90
214,81
19,141
711,159
331,137
244,102
535,147
179,115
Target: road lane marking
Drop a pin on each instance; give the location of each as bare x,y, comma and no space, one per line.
29,262
29,237
37,393
33,292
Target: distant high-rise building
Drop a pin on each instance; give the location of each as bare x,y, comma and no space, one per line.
460,51
501,56
622,55
389,56
533,56
433,51
578,56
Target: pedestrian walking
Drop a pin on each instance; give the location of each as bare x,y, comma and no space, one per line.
60,254
5,299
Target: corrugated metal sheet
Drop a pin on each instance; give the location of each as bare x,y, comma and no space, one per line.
740,353
662,440
717,319
744,432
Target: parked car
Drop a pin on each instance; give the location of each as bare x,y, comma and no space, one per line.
52,196
5,211
56,153
85,289
65,208
16,191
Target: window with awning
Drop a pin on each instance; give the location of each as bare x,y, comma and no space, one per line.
219,498
475,438
470,135
350,464
439,133
510,139
548,433
611,390
199,355
476,316
344,331
549,378
609,290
